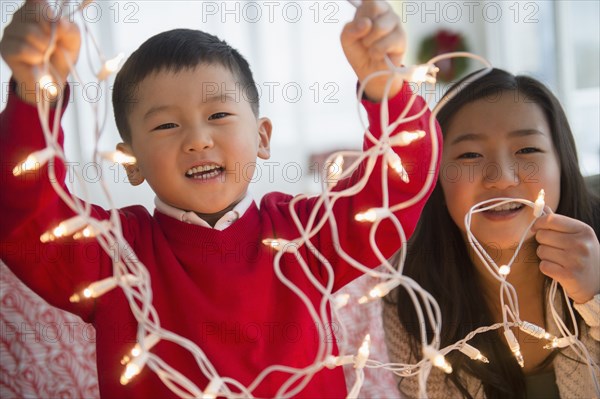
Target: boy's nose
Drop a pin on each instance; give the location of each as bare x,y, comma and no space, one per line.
198,139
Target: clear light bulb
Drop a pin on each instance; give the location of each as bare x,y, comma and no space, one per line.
281,244
473,353
34,161
504,270
395,163
363,353
110,67
538,206
403,139
65,228
371,215
48,85
437,359
119,157
514,346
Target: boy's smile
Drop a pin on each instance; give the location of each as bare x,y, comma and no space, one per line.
196,138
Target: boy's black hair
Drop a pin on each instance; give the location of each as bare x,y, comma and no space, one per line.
173,51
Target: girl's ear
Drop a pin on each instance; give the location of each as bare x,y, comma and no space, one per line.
264,131
134,174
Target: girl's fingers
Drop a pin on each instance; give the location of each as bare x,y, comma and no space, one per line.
558,222
556,239
554,270
557,256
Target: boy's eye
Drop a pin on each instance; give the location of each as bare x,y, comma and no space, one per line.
218,115
469,155
165,126
528,150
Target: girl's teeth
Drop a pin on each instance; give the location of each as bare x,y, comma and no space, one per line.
507,207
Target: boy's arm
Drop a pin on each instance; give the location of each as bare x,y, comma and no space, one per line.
354,236
374,34
29,205
371,40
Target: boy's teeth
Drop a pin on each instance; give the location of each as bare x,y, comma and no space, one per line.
201,169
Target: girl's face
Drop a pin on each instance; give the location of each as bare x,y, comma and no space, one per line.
499,147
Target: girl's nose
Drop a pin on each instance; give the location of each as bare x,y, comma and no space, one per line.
500,175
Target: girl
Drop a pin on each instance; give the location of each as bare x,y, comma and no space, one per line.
504,136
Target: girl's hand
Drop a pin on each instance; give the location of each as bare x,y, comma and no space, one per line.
569,253
26,41
374,33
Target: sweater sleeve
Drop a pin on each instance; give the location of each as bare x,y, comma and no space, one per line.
354,236
590,311
29,206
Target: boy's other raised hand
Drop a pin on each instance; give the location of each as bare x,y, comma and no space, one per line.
374,33
26,41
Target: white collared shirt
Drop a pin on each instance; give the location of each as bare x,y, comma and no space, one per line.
192,218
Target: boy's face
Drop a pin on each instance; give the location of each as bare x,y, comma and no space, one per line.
195,138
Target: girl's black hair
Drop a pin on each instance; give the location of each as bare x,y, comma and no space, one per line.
446,269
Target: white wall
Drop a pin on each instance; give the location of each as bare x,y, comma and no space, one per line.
308,90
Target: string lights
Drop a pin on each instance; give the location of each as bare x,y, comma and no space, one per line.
133,279
372,215
34,161
473,353
101,287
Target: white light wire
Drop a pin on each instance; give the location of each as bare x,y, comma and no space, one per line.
139,295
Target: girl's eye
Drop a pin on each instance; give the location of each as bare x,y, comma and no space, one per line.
218,115
166,126
469,155
528,150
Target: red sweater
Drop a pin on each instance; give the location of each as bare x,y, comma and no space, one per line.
216,288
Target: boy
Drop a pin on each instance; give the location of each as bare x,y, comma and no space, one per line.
212,279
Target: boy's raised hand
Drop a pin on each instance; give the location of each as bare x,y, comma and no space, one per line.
26,40
374,33
570,253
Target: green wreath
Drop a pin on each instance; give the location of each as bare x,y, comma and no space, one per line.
442,42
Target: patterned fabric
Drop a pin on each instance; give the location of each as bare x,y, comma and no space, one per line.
359,321
44,352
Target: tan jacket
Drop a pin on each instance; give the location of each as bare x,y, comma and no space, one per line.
572,377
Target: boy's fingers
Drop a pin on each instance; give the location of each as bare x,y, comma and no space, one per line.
34,11
30,34
355,30
22,52
392,45
372,9
382,27
68,36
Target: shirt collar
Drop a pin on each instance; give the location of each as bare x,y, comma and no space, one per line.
192,218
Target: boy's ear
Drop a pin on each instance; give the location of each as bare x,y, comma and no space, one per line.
264,132
134,174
